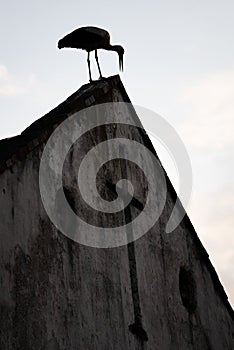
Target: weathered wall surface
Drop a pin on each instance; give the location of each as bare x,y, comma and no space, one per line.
57,294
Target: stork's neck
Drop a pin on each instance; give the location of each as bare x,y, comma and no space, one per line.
112,48
120,50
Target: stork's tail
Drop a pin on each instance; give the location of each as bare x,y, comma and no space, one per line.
60,44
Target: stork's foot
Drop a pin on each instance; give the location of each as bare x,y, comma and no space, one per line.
103,78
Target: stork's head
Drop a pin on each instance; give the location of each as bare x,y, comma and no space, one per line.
120,51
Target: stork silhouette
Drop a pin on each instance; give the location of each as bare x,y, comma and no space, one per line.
90,39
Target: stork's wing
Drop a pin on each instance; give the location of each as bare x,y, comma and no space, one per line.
88,38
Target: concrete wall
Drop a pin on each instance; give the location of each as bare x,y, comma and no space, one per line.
57,294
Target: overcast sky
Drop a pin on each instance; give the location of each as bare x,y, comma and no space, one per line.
178,62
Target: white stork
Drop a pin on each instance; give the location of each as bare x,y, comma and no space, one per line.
89,39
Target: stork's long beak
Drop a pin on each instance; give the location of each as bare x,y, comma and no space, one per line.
121,62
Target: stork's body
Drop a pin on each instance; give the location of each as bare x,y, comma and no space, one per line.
91,39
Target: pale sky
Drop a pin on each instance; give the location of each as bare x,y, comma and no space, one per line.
178,62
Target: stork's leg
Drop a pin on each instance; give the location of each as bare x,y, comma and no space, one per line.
88,60
96,57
